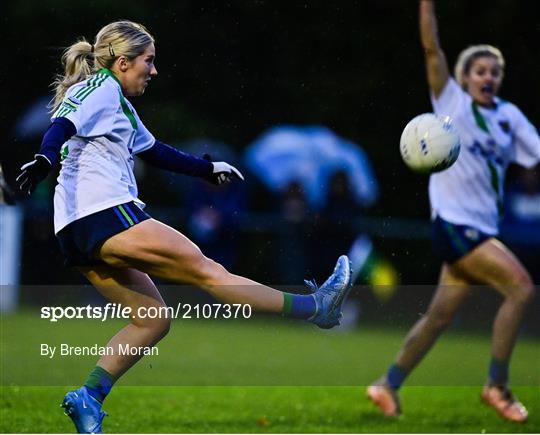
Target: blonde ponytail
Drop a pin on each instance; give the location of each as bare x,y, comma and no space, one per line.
82,59
76,68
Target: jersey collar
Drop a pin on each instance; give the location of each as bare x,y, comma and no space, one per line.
125,107
108,72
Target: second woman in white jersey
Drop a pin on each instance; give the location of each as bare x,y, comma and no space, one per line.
466,202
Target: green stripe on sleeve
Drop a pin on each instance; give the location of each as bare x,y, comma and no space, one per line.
92,84
62,112
89,83
91,89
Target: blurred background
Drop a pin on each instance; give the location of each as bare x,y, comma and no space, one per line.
276,85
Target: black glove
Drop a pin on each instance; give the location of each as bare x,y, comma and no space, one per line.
223,172
33,172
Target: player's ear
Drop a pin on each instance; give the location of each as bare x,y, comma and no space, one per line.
464,81
123,63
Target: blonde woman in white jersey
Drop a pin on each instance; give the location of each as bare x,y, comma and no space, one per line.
466,203
100,223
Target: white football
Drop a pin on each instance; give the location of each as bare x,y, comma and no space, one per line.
429,143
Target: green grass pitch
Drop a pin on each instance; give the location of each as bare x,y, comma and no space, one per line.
258,376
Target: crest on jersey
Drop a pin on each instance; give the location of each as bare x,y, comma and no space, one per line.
74,101
70,104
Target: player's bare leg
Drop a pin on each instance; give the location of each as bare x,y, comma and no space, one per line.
450,293
132,289
161,251
495,265
489,263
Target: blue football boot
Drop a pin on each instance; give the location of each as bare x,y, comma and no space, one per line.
84,410
332,294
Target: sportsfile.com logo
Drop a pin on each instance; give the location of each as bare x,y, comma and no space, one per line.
118,311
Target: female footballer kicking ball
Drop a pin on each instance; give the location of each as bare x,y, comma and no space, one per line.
466,203
99,221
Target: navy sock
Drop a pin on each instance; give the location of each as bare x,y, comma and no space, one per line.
396,376
498,372
299,306
99,383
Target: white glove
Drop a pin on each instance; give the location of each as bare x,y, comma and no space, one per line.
225,173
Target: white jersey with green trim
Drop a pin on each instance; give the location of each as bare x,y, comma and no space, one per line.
470,191
97,163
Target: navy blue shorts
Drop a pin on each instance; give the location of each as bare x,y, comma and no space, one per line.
79,240
451,241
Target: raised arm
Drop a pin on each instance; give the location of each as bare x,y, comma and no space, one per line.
436,65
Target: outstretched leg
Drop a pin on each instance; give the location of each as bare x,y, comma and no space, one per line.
161,251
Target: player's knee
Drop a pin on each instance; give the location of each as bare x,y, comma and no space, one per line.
209,272
522,290
525,292
156,319
162,327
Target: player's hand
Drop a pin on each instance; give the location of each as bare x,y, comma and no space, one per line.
223,172
33,172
